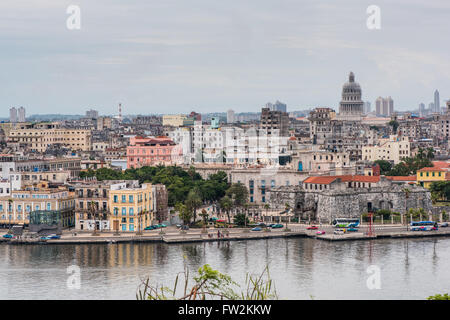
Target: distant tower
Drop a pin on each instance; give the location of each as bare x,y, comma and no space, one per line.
13,115
120,112
21,114
437,104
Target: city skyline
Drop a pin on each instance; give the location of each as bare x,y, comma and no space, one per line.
213,59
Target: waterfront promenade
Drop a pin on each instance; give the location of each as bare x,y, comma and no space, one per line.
172,235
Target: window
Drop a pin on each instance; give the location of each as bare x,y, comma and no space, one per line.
130,199
124,198
115,198
131,211
131,227
124,211
116,211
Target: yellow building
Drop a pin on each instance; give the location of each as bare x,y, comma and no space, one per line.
131,208
175,120
426,176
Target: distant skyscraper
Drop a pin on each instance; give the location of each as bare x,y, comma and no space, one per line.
21,114
93,114
279,106
422,111
431,107
13,115
367,107
384,106
230,116
437,104
379,106
390,106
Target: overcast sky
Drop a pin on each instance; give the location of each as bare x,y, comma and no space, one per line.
172,56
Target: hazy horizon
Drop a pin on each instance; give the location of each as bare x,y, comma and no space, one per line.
177,56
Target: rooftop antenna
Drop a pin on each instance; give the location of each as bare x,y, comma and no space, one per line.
120,112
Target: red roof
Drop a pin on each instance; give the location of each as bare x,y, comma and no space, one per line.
441,164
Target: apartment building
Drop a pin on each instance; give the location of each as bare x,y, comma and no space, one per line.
151,151
16,208
393,149
39,137
130,207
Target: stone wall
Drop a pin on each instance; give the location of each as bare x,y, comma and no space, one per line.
349,203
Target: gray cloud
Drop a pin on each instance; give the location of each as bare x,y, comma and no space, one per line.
161,56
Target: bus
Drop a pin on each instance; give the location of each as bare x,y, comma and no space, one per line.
345,222
423,225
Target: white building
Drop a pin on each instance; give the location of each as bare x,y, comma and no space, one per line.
391,149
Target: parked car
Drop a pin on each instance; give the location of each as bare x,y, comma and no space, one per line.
54,236
339,231
178,226
44,238
184,227
277,226
444,225
352,229
149,228
162,225
262,225
8,236
312,228
256,229
320,232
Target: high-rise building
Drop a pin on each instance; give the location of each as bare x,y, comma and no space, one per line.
351,103
21,114
230,116
367,107
13,115
437,105
279,106
93,114
422,109
431,107
384,106
275,120
390,106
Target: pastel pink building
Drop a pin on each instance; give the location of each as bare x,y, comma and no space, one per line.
151,151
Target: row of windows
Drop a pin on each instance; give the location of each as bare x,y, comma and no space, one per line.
433,174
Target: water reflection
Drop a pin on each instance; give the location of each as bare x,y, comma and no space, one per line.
411,269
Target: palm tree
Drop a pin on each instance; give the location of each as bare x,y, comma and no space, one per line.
226,204
193,201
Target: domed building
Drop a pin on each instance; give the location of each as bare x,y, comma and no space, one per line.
351,104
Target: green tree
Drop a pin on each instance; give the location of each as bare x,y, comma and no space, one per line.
444,296
241,219
385,166
184,213
238,194
193,201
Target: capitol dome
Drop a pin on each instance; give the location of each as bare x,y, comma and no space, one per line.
351,103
